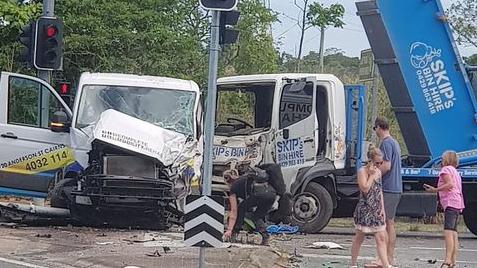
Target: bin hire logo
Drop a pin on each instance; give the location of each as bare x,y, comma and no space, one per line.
431,73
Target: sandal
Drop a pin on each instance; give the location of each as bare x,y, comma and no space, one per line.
447,265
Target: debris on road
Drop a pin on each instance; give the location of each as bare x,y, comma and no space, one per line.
43,235
104,243
325,245
154,254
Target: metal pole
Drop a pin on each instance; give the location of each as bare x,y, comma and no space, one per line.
48,11
374,101
210,113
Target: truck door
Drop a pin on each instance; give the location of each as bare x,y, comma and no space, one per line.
295,143
31,154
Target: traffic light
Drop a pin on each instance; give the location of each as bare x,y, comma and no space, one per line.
27,38
64,89
221,5
228,19
49,44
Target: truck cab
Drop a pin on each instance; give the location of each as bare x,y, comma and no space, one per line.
130,145
298,121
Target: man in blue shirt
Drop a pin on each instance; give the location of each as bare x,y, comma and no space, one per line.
392,180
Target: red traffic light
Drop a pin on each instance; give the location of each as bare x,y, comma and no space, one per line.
64,88
50,31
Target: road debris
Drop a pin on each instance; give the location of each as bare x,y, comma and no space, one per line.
325,245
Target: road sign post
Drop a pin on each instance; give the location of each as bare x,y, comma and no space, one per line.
210,113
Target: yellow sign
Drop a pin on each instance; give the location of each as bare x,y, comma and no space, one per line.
43,160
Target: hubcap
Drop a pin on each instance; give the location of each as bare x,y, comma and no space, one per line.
306,207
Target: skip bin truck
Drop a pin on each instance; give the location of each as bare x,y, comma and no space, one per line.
313,125
125,155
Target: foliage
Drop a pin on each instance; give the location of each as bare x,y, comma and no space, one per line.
462,16
471,60
323,17
254,51
163,37
13,16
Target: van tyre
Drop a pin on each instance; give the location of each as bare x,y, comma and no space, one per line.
470,217
312,209
61,194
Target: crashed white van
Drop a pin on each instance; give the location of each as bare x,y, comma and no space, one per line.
127,152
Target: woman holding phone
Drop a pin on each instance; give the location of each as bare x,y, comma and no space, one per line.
449,188
369,216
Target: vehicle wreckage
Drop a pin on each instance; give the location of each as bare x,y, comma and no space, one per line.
126,156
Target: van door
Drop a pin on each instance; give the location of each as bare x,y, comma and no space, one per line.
295,144
31,154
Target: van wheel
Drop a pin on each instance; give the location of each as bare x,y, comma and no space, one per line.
470,217
312,209
61,194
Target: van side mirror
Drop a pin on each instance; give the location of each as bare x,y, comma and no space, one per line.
59,122
286,133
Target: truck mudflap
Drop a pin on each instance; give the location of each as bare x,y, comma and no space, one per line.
103,200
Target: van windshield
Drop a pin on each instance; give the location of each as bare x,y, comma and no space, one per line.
169,109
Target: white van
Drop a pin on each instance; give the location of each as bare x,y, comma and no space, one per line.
130,144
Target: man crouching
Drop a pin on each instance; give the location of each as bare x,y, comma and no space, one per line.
254,191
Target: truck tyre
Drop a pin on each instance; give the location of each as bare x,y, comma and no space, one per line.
470,217
61,194
312,209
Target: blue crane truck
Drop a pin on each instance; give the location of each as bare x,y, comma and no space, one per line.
432,92
313,126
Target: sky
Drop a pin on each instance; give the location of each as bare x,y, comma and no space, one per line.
351,39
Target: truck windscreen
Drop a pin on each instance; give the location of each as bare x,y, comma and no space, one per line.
169,109
244,108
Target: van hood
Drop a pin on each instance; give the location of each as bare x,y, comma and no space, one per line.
144,138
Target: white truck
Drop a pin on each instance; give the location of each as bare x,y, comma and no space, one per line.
129,146
310,124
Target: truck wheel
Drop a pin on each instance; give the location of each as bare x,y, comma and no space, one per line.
61,194
470,217
312,209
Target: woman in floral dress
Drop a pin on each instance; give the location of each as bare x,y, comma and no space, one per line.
369,215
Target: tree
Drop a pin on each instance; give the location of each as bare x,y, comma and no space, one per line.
161,37
462,16
254,52
323,17
13,16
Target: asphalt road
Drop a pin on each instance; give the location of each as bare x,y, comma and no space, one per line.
70,247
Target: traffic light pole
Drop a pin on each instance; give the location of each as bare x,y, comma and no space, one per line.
48,12
210,113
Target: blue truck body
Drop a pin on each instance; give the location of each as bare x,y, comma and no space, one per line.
429,89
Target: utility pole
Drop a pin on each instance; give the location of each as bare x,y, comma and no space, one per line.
210,113
322,44
48,12
374,100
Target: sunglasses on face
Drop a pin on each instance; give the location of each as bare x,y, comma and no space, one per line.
375,127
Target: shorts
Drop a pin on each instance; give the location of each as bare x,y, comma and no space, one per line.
451,218
391,202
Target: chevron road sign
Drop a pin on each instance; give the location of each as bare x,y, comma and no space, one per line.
204,221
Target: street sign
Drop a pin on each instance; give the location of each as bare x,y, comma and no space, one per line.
366,66
204,221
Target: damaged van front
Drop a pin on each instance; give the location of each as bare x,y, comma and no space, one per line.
135,142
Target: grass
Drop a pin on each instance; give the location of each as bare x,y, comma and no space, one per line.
406,224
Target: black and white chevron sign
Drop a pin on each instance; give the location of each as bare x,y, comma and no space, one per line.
204,221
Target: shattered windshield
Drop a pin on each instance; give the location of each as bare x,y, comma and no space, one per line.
169,109
244,108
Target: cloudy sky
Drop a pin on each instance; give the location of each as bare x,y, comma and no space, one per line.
352,38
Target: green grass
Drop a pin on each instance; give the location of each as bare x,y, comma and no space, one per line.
405,224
